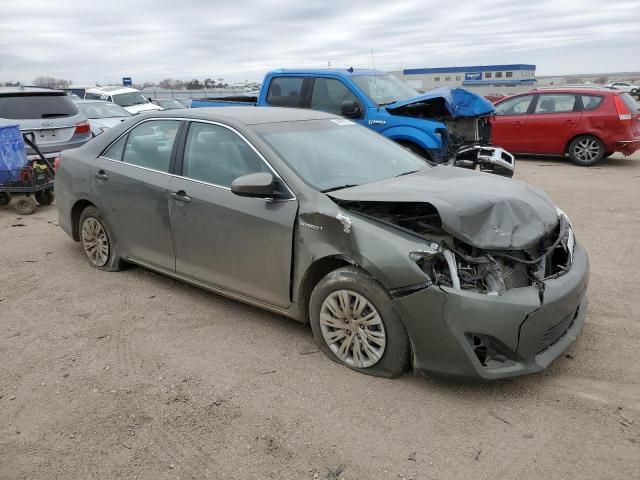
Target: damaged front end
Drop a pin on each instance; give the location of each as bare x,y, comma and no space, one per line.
467,137
484,311
450,262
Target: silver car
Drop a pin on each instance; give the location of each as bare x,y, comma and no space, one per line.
394,263
102,115
50,115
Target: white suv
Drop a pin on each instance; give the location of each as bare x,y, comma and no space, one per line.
129,98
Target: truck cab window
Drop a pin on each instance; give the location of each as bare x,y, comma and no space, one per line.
328,95
285,92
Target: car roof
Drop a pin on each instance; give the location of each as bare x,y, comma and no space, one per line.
350,72
112,90
92,101
244,115
592,89
12,91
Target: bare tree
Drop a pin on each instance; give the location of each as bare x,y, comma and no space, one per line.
51,82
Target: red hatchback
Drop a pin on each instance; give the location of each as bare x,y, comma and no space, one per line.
588,124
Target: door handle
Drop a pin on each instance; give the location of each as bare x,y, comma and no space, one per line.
570,122
516,123
180,196
101,175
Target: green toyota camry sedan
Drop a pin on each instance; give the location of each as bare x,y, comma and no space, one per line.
395,263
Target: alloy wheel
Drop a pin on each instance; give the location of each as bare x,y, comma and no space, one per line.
352,328
95,242
586,150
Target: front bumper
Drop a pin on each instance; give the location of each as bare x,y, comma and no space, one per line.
528,334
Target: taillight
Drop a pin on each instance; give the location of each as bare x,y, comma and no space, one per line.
82,127
621,108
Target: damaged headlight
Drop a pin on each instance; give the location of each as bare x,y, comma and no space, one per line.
570,240
487,275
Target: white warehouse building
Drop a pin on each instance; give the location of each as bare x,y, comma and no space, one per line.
482,79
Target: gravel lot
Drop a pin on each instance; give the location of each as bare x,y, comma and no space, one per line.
133,375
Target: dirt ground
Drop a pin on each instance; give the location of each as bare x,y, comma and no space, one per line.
133,375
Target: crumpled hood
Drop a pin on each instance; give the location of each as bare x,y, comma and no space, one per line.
480,209
458,101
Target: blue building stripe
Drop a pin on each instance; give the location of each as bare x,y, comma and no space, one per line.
471,68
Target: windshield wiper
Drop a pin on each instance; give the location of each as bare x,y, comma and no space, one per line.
407,173
339,187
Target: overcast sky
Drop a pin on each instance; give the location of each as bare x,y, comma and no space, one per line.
88,41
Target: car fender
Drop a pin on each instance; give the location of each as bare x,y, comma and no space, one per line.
427,139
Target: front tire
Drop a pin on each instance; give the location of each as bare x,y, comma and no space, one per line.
586,150
98,241
355,324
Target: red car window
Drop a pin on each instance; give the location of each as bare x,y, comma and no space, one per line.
514,106
556,103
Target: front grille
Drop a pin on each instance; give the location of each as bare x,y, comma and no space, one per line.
556,332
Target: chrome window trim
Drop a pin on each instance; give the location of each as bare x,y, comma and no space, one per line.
135,166
257,152
192,120
126,132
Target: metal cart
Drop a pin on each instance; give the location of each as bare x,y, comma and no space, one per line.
36,178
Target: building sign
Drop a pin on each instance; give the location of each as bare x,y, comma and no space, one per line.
126,81
473,76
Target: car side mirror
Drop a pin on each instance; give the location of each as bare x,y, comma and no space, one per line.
350,109
257,185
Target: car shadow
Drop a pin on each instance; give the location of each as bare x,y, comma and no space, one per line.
616,161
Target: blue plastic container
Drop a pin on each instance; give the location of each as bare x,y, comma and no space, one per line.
13,157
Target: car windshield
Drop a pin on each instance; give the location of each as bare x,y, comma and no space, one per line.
103,110
336,153
128,99
384,89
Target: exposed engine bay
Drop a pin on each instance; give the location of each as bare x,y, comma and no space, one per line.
449,262
467,139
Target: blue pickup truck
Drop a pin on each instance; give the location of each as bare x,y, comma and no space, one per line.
446,125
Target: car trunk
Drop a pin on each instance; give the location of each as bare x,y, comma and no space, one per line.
50,117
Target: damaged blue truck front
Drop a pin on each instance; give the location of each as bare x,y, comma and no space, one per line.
446,125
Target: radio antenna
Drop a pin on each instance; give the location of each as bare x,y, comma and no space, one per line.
375,80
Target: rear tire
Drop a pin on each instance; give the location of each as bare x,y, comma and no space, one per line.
98,241
45,197
586,150
355,324
25,206
5,199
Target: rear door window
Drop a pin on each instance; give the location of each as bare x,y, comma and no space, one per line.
150,144
514,106
217,155
328,95
92,96
30,107
590,102
556,103
285,92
